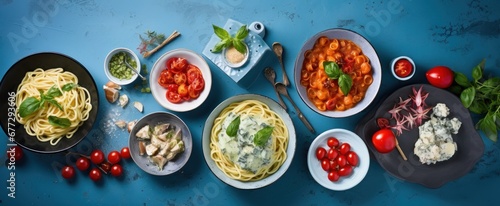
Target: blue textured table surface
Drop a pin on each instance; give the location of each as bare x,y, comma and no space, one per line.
458,34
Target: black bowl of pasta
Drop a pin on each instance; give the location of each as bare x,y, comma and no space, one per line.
254,152
52,102
337,73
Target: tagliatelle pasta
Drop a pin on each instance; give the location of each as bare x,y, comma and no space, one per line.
323,91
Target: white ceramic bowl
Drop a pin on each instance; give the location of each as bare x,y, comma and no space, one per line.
115,79
290,150
366,48
159,92
393,70
357,145
172,166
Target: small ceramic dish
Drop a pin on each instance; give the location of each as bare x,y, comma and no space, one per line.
231,52
115,62
358,172
403,68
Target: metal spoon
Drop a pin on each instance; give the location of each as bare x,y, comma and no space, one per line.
271,75
132,68
278,50
282,90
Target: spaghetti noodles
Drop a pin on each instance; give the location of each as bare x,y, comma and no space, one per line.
239,157
74,104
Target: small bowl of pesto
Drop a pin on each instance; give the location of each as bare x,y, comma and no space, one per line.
116,68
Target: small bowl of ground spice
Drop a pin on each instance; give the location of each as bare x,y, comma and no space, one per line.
233,58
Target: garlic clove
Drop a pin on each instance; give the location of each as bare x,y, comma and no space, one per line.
123,100
139,106
131,125
120,123
113,85
111,94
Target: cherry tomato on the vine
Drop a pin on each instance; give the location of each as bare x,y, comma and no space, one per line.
114,157
68,172
125,153
97,156
116,170
95,174
82,163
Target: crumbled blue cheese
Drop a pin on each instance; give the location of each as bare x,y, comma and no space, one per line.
435,143
240,149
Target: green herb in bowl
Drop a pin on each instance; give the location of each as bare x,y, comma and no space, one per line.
117,67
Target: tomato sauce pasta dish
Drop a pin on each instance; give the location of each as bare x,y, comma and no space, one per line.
323,90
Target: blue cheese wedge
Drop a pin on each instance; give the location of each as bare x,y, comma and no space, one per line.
435,143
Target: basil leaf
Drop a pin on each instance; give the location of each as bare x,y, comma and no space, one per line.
477,71
69,86
233,127
487,125
478,107
332,69
59,122
54,102
29,106
260,138
242,33
462,80
467,96
240,46
345,83
221,33
218,47
53,92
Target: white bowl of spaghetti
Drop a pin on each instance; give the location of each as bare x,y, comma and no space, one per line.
55,100
244,159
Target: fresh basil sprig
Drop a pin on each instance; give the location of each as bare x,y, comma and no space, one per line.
260,138
232,128
226,40
333,71
59,122
31,104
481,96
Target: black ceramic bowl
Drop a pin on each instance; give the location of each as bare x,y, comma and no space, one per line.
470,144
8,88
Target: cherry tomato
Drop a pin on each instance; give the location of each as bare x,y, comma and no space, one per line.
403,68
341,161
125,153
16,152
68,172
172,87
116,170
114,157
183,90
331,104
82,163
382,123
97,156
352,158
173,96
320,153
95,174
332,142
333,176
332,154
177,64
325,164
344,148
166,78
193,72
440,76
193,94
333,165
345,171
198,84
384,140
180,78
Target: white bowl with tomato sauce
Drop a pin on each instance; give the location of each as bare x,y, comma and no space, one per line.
356,145
165,85
403,68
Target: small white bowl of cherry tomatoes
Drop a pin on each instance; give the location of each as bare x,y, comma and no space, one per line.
403,68
180,80
338,159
